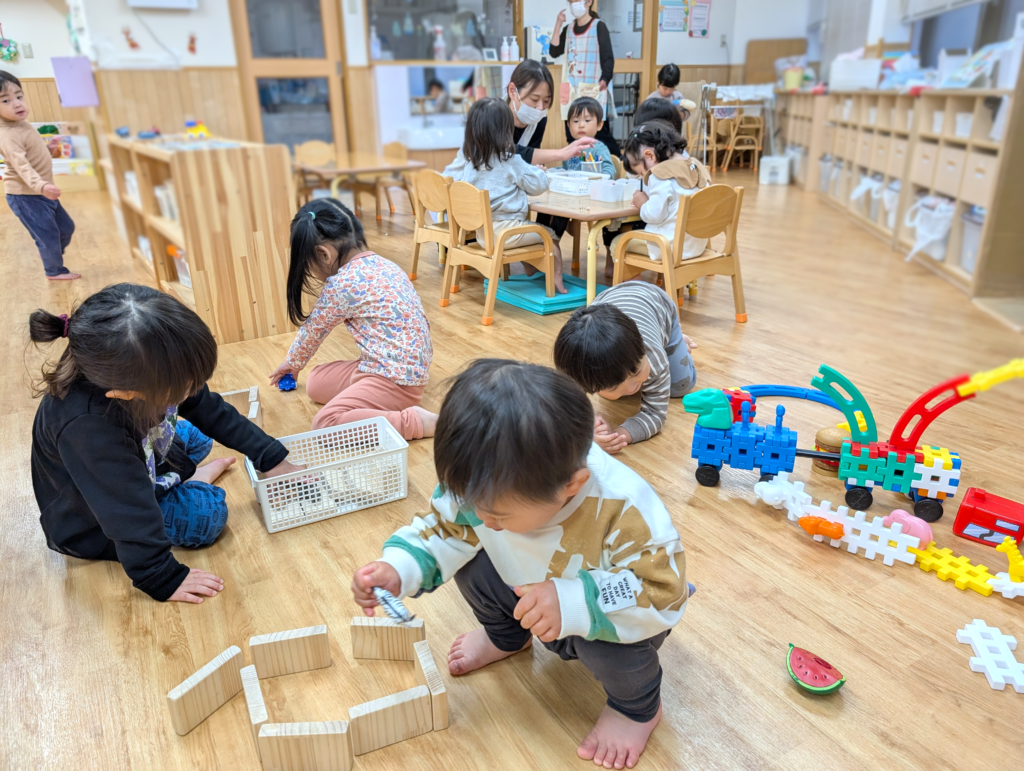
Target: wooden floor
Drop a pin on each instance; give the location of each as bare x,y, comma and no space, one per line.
87,660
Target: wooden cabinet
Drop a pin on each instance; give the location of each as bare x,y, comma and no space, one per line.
897,162
880,153
923,160
979,178
864,142
949,170
841,142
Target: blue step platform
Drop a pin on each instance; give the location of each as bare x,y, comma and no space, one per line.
527,292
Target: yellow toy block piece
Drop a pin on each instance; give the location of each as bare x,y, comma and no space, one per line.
861,423
982,381
946,566
1012,552
942,453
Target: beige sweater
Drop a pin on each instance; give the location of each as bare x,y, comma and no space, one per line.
29,165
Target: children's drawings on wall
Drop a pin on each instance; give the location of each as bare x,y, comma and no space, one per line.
700,18
675,16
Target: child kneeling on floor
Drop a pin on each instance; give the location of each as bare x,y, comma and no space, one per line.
488,161
628,340
376,301
657,154
114,468
546,536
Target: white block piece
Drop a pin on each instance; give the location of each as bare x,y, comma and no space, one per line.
256,413
383,638
872,537
243,399
325,746
934,479
297,650
992,656
254,701
783,494
428,674
199,696
391,719
1009,589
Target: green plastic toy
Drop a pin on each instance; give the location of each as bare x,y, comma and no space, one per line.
711,407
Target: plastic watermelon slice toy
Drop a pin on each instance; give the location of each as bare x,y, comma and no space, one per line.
813,673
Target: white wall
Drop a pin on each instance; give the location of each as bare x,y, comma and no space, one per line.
884,23
680,48
354,18
760,20
40,23
211,23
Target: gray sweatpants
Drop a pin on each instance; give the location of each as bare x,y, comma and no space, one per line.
630,673
682,373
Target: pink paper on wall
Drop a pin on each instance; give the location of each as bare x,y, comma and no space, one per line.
75,82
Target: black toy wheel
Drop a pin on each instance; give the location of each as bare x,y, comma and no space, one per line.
928,509
707,475
766,478
859,498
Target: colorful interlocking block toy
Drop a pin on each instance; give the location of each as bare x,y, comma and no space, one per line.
946,566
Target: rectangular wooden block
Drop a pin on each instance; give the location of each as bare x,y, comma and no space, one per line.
392,719
297,650
254,701
428,674
324,746
202,694
384,638
256,413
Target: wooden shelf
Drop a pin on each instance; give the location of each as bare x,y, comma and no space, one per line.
985,144
1008,310
132,204
179,290
138,255
169,229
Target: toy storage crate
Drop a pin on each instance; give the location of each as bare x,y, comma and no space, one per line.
348,468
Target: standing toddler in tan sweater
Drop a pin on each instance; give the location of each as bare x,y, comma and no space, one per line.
28,181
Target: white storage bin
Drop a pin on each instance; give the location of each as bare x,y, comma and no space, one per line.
824,173
614,190
931,218
348,467
938,117
875,202
571,182
964,120
974,220
774,170
890,201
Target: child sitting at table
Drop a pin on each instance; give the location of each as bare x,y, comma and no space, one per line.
628,340
657,153
439,96
488,161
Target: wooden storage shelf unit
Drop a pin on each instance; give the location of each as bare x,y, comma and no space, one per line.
801,118
235,203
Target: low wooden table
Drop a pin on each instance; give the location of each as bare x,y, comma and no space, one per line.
597,215
351,164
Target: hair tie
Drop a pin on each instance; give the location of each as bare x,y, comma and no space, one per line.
64,317
312,214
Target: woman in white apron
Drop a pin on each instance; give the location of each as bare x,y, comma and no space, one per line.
589,64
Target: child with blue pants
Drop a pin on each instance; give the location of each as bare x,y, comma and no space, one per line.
194,512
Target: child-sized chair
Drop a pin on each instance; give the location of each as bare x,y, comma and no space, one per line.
469,211
429,194
394,151
705,214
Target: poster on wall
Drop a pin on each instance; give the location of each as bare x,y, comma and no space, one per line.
700,17
674,16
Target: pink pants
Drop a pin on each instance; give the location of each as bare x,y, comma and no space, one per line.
349,395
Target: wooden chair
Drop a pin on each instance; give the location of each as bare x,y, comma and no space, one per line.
705,214
429,194
620,169
469,211
313,153
746,138
398,152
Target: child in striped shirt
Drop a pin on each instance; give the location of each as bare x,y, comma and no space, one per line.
546,536
628,340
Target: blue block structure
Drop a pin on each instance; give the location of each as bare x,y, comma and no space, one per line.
710,446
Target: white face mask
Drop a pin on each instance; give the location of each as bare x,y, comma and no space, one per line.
526,114
577,10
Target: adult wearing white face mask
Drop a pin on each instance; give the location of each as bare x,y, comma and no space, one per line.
589,63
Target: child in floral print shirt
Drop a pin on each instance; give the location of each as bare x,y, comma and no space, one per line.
375,300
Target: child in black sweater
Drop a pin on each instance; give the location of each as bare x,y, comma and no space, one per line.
119,432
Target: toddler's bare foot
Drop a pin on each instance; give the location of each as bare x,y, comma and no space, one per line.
428,419
560,284
616,741
65,277
474,650
529,269
210,471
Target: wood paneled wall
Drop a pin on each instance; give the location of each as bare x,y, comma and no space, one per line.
141,99
44,102
361,112
761,56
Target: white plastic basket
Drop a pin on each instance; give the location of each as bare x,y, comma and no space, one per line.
572,182
348,468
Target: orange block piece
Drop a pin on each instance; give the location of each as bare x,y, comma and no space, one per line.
822,526
946,566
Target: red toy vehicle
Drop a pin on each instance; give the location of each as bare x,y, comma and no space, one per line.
988,519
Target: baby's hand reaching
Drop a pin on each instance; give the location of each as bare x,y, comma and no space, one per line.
610,441
691,345
284,369
539,610
368,576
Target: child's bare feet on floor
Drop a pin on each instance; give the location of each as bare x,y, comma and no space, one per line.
209,472
616,741
64,277
474,650
428,419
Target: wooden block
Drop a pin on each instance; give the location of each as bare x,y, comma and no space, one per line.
392,719
384,638
237,399
427,674
325,746
254,700
202,694
256,413
297,650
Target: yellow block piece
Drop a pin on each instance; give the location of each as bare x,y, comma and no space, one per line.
942,453
1009,548
946,566
982,381
861,423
